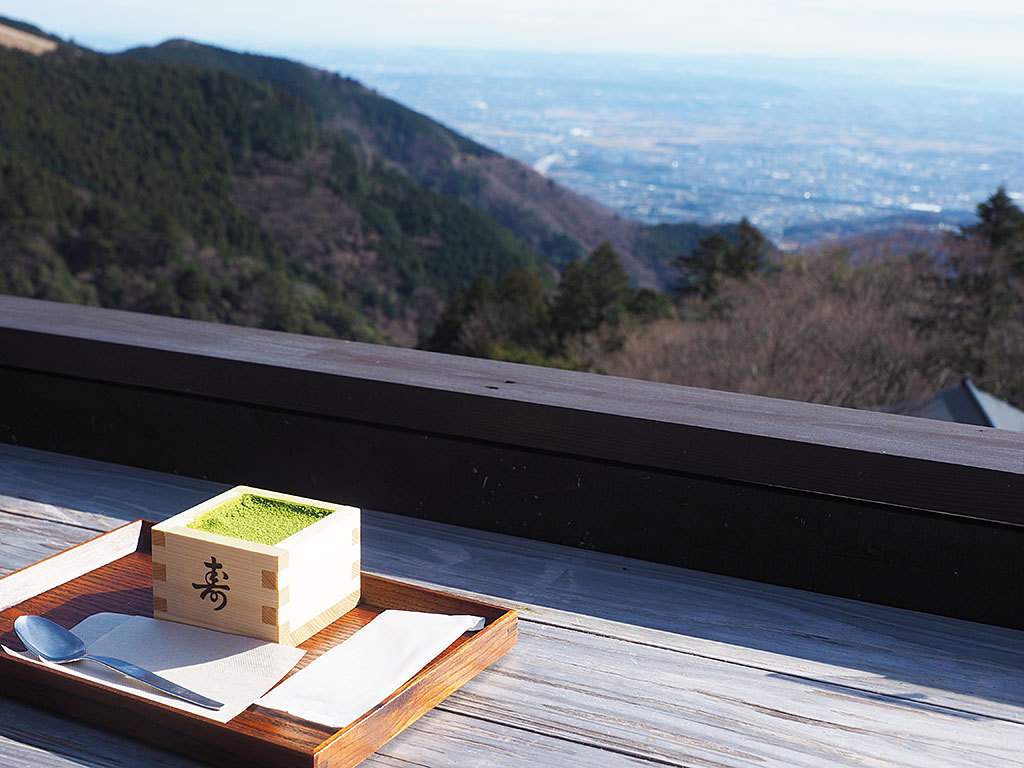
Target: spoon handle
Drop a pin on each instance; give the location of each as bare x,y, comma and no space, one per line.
163,684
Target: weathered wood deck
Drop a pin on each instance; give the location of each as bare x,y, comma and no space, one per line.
619,662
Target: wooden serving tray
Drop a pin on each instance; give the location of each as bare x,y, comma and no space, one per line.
112,572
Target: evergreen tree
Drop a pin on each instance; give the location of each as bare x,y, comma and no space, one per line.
1001,227
575,308
592,293
609,284
701,270
749,253
446,333
717,257
132,184
648,305
1002,222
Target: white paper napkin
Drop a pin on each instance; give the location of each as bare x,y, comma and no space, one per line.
357,675
232,669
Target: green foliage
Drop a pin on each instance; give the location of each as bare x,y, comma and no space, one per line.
516,319
149,138
511,313
1001,227
1001,221
31,199
982,302
115,179
29,267
575,306
592,293
435,240
718,257
403,132
445,337
561,249
123,174
648,305
436,157
347,174
609,284
521,306
659,244
837,328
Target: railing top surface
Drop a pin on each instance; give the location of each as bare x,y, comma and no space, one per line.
921,463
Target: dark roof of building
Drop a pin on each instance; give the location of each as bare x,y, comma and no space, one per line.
965,404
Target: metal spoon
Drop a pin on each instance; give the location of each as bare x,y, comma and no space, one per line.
52,642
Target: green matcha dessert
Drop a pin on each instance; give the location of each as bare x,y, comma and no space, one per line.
257,518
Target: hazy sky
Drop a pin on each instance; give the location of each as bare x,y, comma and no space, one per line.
985,32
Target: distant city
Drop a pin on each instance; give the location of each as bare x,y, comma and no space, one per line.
804,150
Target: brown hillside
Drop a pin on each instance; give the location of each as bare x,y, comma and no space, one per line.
325,232
820,329
23,41
559,210
555,222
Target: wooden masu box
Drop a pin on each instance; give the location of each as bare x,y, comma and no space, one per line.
283,593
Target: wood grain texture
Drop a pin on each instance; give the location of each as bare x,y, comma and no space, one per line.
876,649
71,564
258,735
688,710
90,492
849,548
242,608
878,457
282,593
623,662
31,737
25,539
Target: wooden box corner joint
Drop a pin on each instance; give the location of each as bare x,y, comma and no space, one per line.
284,593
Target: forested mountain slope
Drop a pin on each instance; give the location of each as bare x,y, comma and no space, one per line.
550,218
180,190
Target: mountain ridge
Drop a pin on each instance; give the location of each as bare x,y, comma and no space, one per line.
214,174
169,200
557,222
26,37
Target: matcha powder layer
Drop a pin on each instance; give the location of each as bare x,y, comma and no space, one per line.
257,518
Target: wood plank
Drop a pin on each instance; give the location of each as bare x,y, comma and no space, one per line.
871,648
444,739
34,738
838,546
70,564
850,643
686,710
31,737
98,489
26,539
703,669
91,580
671,708
866,648
892,459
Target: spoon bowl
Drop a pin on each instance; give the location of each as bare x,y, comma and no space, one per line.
51,642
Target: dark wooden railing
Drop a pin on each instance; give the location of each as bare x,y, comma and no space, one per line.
903,511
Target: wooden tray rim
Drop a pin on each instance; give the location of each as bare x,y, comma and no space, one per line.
67,565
